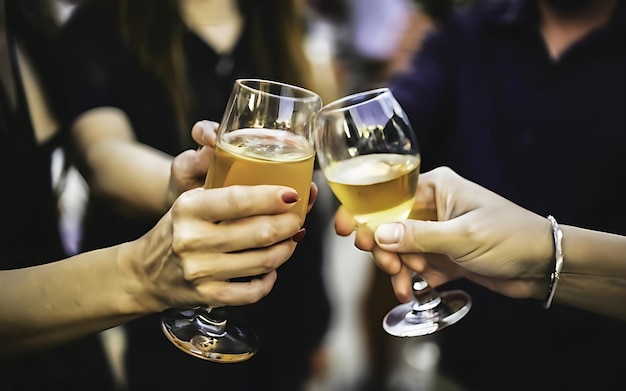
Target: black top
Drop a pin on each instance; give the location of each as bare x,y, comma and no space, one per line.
30,234
104,73
293,318
486,99
30,204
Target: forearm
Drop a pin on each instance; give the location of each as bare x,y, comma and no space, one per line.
593,277
133,176
64,300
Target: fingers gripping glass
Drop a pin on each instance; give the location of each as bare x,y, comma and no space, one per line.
369,155
265,137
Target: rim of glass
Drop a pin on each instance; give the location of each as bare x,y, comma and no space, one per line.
355,100
306,95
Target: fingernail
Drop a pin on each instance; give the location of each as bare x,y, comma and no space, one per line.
389,233
299,235
290,197
208,130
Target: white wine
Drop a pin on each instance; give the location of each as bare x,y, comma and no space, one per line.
376,188
264,157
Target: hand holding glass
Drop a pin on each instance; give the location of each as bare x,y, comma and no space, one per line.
265,138
369,155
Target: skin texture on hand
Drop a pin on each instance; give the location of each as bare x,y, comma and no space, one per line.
212,236
455,217
459,229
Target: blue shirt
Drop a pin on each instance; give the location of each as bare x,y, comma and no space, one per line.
485,97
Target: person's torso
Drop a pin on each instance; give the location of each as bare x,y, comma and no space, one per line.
548,135
27,143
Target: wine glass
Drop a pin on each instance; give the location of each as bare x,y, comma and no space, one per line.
369,154
265,137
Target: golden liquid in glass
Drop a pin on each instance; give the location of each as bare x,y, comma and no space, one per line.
264,157
376,188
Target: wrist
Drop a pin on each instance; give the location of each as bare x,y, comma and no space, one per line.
138,301
542,259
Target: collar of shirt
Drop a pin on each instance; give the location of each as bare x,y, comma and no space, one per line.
523,17
516,13
524,13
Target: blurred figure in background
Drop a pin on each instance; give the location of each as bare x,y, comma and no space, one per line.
372,35
527,97
138,75
29,135
374,40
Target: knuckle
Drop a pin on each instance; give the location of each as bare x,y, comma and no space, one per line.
445,171
239,199
189,273
199,270
269,260
179,245
184,202
189,270
267,234
185,240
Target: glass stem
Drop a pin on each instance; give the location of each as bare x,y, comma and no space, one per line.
210,321
424,296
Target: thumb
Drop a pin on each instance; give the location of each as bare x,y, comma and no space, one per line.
414,236
204,132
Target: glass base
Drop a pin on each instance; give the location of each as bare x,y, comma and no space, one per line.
201,335
409,320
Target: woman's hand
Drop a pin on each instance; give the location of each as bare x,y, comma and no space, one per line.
460,229
212,236
189,169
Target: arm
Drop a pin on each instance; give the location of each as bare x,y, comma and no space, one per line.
188,258
116,166
91,98
495,243
134,176
594,272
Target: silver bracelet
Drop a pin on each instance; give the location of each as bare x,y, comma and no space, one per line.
558,261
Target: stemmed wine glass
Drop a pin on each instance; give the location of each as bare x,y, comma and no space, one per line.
265,137
369,155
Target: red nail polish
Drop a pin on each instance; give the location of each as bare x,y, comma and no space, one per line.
290,197
299,235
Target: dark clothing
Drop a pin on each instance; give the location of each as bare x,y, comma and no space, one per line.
26,166
104,73
293,318
486,98
30,233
